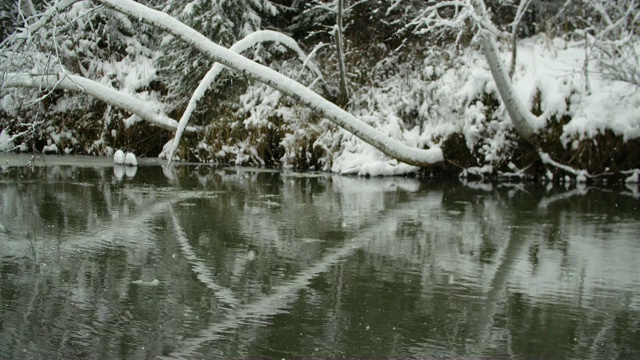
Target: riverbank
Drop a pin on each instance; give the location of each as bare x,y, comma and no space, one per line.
588,125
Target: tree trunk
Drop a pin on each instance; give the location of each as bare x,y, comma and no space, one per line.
521,118
339,34
522,8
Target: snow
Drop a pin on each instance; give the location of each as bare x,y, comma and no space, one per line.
24,35
130,159
188,9
555,69
522,120
6,143
118,157
242,45
551,68
447,98
166,150
144,109
50,149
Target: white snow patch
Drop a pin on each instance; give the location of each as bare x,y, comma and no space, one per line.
50,149
119,157
6,143
130,159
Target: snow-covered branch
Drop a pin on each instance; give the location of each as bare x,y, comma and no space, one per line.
241,46
522,119
107,94
18,39
581,175
431,19
615,40
288,86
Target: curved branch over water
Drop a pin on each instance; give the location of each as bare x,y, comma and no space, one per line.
521,118
241,46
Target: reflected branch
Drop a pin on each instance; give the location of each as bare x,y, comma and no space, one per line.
545,202
282,295
497,290
198,266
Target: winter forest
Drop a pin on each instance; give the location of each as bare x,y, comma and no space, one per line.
530,89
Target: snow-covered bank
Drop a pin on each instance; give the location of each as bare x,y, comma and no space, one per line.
461,98
436,108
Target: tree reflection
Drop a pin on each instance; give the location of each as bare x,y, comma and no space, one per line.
270,264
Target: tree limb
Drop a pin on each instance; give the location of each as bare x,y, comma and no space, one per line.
339,35
97,90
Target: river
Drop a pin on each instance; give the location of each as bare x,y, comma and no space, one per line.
208,262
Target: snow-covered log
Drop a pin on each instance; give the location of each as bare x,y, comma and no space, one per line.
107,94
288,86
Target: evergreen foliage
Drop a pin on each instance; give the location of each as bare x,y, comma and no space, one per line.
222,21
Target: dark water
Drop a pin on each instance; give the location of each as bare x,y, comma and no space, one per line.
203,263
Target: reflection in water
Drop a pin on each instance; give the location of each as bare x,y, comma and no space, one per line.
205,262
121,170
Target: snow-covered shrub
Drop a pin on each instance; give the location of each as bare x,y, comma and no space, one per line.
616,39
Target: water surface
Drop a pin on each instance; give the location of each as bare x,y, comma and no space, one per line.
201,262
